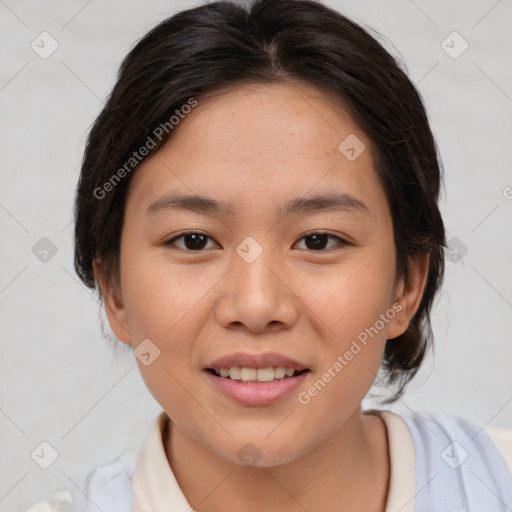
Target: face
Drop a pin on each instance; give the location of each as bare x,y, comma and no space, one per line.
255,276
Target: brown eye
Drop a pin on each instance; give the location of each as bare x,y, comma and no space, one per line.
194,241
191,241
318,241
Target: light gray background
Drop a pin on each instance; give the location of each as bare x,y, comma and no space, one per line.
61,382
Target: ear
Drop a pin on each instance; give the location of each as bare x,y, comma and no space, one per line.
112,303
408,295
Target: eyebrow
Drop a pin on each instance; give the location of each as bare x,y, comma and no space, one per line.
336,201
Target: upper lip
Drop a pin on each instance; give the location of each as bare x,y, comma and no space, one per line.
268,359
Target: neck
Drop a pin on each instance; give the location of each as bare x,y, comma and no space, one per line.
348,471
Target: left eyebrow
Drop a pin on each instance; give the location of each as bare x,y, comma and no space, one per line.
336,201
339,201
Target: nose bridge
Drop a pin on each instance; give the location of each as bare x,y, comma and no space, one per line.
252,273
256,296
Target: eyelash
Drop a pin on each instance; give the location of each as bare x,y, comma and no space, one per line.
170,242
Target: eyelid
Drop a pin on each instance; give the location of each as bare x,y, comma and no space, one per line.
342,242
170,241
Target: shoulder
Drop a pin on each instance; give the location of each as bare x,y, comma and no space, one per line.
435,429
463,433
107,486
460,460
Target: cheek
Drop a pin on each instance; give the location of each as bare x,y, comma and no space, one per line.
351,349
163,304
160,298
353,305
353,297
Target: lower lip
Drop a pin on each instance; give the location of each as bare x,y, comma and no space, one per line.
260,393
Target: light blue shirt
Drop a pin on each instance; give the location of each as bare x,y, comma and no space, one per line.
458,468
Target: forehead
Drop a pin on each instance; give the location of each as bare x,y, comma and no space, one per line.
262,143
257,118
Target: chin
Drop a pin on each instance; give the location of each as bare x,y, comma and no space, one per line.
259,452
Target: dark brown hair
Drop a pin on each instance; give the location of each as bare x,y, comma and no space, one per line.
222,44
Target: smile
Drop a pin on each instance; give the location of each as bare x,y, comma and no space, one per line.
247,374
252,391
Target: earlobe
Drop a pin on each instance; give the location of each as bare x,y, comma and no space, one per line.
409,295
112,304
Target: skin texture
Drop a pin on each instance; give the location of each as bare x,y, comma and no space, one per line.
258,146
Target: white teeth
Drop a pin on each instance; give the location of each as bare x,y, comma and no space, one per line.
265,374
246,374
279,372
234,373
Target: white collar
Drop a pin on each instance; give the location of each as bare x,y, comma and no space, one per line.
155,488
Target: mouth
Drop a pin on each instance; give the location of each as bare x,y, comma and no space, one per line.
256,375
256,386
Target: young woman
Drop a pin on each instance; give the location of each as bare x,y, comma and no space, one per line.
258,209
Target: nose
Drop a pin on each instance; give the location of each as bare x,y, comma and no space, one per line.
257,295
